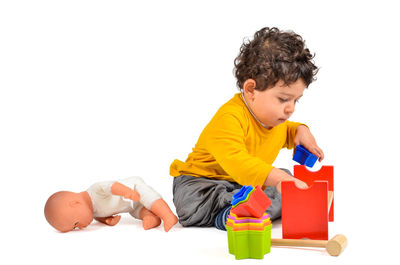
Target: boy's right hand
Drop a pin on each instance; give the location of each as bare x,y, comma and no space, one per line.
276,176
299,184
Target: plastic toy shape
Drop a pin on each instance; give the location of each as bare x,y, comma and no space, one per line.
304,157
248,226
256,205
305,212
249,243
242,195
260,228
325,173
237,220
240,224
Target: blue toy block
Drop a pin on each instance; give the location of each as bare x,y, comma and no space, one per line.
304,157
241,195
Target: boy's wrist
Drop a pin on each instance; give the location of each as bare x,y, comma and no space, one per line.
275,177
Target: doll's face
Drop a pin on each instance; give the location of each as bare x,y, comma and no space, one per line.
66,211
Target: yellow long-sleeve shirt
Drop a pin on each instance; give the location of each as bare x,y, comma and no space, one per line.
235,147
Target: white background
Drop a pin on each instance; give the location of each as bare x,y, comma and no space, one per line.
100,90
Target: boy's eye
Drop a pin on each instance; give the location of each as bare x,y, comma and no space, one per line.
283,100
76,225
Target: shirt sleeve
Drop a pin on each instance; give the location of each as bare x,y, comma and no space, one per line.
226,143
291,133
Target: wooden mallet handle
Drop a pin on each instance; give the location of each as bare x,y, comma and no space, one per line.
334,246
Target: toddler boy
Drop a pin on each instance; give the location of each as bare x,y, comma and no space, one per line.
243,139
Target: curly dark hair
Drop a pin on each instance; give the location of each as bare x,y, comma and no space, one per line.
274,55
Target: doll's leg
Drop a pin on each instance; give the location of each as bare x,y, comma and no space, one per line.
161,209
153,202
149,219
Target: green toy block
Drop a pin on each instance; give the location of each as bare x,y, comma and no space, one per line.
249,244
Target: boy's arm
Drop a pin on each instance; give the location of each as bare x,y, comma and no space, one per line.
291,133
225,142
124,191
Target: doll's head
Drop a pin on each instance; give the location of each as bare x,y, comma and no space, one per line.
67,210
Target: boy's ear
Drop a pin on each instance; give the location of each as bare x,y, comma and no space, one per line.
249,87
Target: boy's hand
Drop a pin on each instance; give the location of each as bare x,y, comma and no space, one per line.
306,139
276,176
299,184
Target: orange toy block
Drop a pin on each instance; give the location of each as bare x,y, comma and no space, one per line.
325,173
305,212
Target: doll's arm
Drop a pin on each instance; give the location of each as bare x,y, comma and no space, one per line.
124,191
110,220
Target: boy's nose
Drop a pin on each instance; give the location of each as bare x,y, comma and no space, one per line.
289,108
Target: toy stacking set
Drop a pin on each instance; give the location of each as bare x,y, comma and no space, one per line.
304,157
248,226
305,214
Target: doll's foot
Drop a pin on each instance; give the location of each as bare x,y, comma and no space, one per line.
169,222
110,220
149,220
161,209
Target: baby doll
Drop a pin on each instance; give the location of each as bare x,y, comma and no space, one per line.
67,210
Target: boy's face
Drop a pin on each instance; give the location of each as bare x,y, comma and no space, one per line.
274,105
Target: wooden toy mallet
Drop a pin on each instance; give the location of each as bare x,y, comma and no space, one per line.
334,246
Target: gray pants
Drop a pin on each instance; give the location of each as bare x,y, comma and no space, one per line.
198,200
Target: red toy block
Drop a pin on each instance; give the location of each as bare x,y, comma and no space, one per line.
325,173
305,212
255,206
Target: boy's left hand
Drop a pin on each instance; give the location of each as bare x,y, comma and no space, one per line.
306,139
